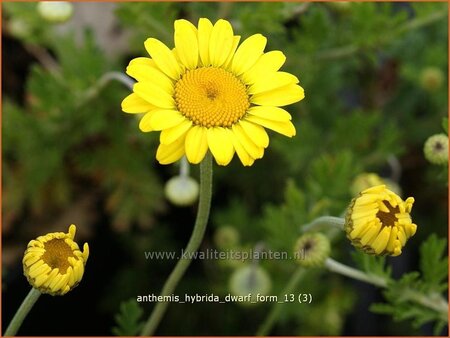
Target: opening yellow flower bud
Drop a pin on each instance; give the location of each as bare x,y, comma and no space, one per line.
379,222
54,263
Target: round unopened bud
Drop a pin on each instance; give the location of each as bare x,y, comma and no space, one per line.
55,11
19,28
251,281
182,190
431,78
436,149
236,257
312,249
226,237
342,7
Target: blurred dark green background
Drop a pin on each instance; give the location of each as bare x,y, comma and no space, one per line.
375,78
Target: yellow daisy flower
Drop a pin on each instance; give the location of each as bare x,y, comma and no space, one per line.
53,263
379,222
210,93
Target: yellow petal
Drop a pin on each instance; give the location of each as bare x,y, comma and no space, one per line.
40,280
155,95
134,104
71,275
186,43
35,243
170,153
62,283
161,119
196,144
144,124
383,207
401,235
163,57
85,253
280,96
409,204
55,281
51,276
204,33
378,189
270,113
370,235
172,134
380,243
78,270
245,158
220,145
30,258
36,250
248,53
284,128
410,229
143,62
269,62
397,251
257,133
250,147
366,200
273,81
146,73
40,270
227,63
220,42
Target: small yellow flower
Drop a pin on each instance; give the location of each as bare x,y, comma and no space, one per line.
53,263
209,93
379,222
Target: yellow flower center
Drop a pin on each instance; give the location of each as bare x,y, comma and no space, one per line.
211,97
56,255
388,218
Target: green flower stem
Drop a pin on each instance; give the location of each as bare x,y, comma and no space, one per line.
347,271
323,223
184,167
22,312
433,301
192,246
274,314
106,78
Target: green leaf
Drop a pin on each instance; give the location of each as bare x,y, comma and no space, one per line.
374,265
282,222
128,320
434,263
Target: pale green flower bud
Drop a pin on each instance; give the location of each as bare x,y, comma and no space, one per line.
431,78
312,249
55,11
226,237
250,281
182,190
436,149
